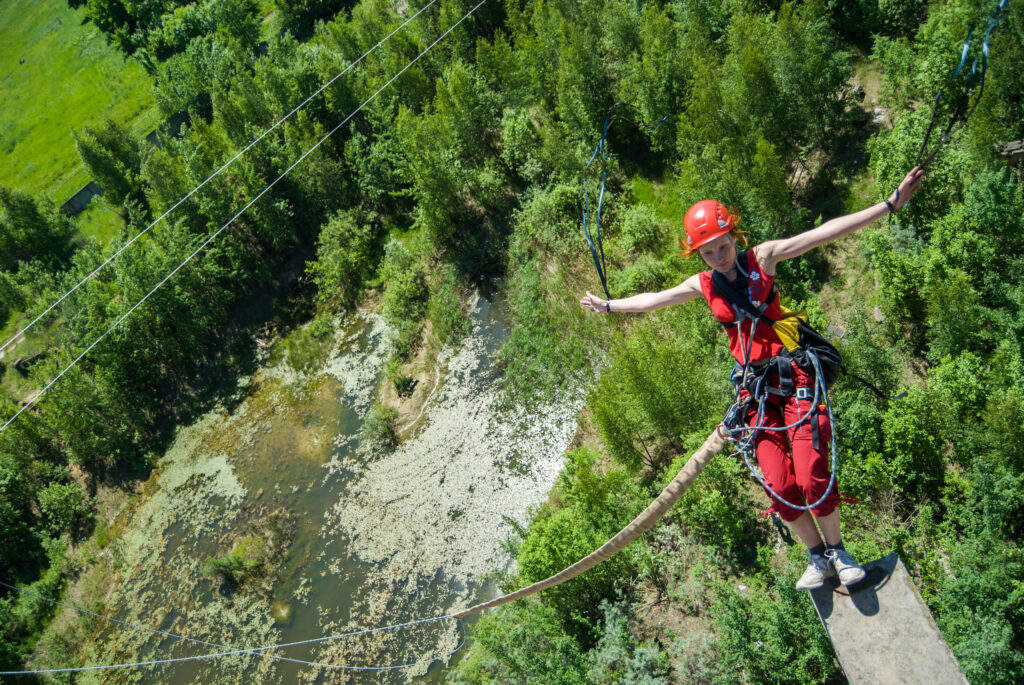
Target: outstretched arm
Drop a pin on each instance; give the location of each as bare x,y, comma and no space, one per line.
774,251
645,302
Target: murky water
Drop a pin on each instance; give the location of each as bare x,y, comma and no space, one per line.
355,538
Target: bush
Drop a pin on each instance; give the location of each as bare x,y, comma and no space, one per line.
64,506
618,657
402,381
233,568
641,230
30,229
300,16
346,254
718,508
305,347
658,387
405,294
11,297
980,605
645,274
899,17
912,445
595,506
17,540
380,427
178,28
901,277
771,633
23,615
445,310
524,643
853,19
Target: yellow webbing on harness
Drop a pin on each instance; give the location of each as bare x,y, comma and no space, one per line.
786,327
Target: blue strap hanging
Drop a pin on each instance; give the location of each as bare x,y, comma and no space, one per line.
594,241
964,105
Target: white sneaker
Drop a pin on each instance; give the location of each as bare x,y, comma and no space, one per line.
814,577
849,570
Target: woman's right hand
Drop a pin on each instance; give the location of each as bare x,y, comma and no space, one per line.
910,184
594,303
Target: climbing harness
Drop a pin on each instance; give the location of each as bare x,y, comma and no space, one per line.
965,104
803,346
594,241
743,435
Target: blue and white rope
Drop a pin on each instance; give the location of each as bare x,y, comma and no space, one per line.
230,651
745,444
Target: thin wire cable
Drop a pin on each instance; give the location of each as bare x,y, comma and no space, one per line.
258,650
220,230
138,626
211,177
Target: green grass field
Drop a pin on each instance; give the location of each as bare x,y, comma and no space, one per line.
70,78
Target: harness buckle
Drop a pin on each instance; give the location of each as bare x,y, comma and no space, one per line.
805,393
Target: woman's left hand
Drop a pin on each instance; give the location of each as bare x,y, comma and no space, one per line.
594,303
910,184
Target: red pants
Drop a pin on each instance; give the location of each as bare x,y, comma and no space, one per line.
788,460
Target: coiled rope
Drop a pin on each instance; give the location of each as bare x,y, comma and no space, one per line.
747,434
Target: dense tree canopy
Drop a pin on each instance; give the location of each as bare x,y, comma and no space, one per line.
467,168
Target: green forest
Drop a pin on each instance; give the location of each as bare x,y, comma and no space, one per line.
467,170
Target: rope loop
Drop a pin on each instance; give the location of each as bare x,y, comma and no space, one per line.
744,435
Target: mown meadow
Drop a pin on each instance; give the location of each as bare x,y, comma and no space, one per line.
57,74
468,168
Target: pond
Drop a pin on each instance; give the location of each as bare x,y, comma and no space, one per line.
353,538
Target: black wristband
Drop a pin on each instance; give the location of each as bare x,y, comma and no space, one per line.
607,306
892,210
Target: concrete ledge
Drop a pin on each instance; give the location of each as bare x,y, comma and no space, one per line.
882,630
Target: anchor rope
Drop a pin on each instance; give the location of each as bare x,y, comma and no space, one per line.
594,241
255,651
129,624
962,107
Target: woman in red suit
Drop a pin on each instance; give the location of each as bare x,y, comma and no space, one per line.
792,465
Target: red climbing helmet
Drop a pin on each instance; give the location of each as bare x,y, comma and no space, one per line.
705,221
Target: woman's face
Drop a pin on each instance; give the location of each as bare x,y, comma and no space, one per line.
720,253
